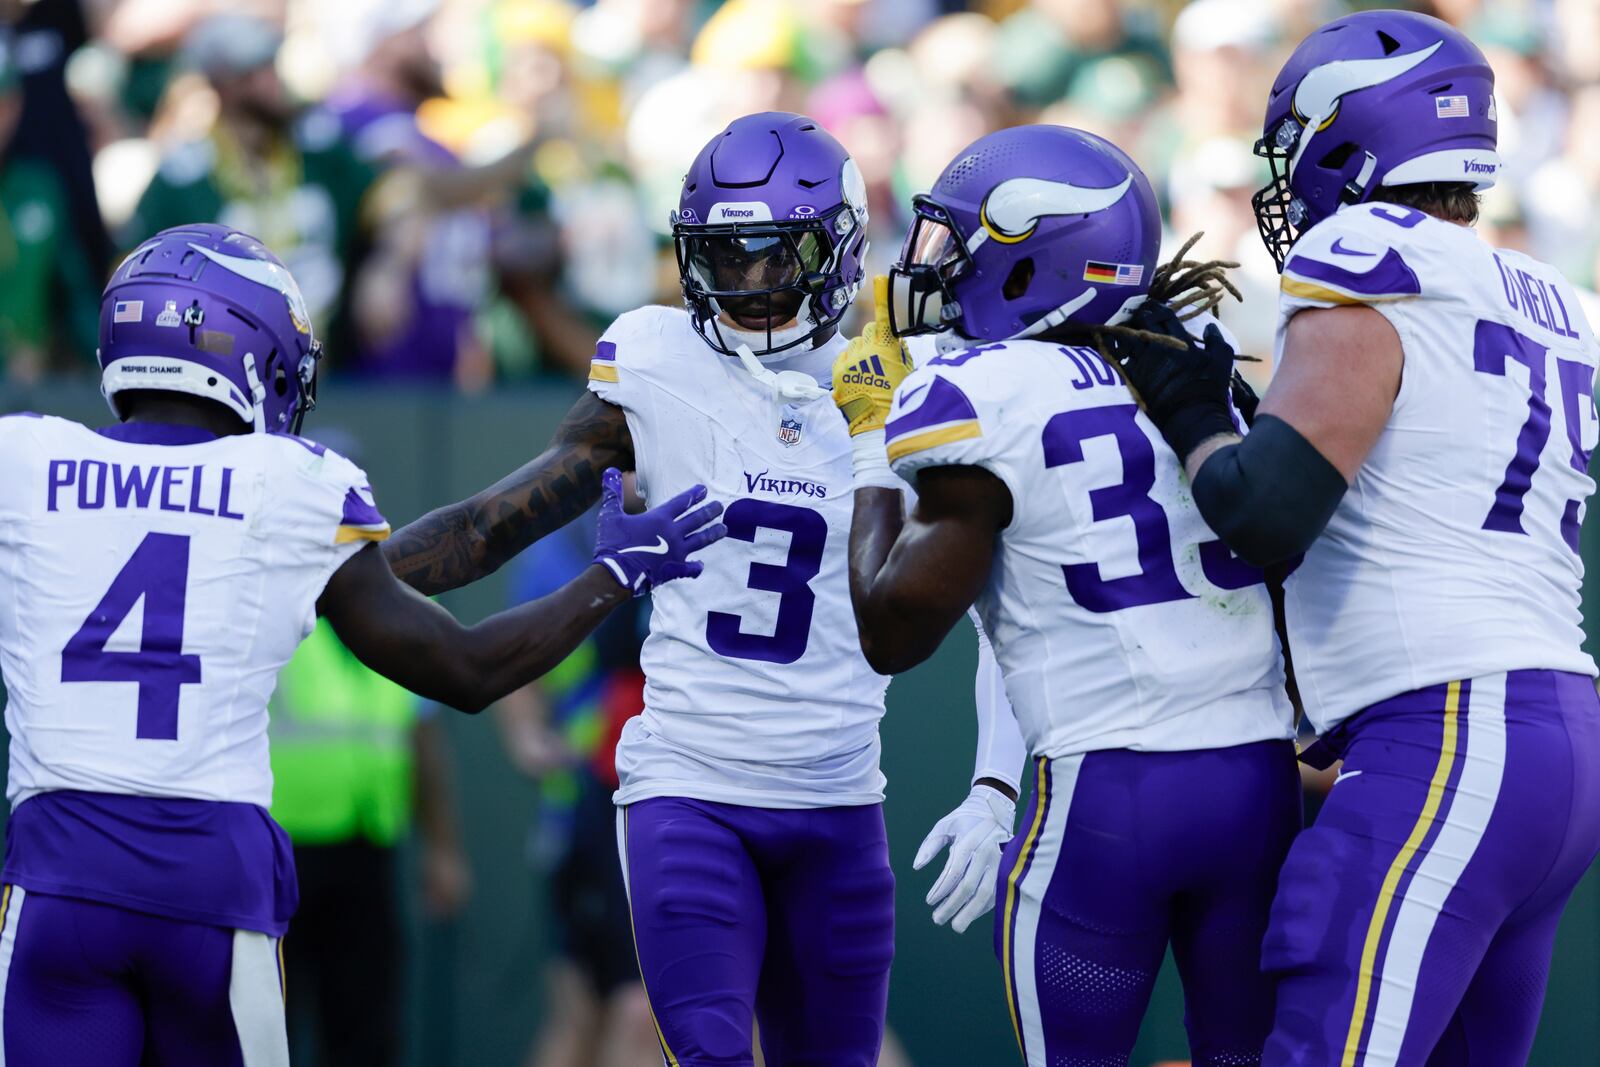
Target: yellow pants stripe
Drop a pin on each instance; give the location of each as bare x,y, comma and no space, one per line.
1397,869
1007,954
666,1050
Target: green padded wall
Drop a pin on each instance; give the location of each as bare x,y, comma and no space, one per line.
475,995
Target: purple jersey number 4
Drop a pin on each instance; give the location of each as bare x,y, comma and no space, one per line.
158,572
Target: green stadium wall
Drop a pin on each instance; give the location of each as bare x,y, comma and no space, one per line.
475,996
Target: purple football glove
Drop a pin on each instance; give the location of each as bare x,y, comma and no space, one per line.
642,551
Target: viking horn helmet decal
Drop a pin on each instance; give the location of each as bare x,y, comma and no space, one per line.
1316,98
1013,208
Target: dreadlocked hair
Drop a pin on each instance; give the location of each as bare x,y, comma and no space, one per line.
1187,286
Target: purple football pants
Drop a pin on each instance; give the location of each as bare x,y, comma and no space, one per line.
1121,854
783,916
92,985
1415,919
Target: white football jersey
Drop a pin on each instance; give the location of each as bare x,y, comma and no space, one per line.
756,690
1455,553
1118,617
149,595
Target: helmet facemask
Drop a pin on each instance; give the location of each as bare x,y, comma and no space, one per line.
303,380
1280,216
921,297
747,282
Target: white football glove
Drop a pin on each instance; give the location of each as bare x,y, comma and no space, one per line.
976,832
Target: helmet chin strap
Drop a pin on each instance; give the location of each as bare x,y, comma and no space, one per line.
1056,317
788,384
950,341
749,339
258,393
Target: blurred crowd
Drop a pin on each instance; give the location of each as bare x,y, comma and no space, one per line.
468,190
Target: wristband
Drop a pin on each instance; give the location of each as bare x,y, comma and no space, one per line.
1188,427
869,458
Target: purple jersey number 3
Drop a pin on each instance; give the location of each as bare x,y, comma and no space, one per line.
1157,581
158,572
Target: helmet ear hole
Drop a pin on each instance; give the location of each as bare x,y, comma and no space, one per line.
1016,283
1338,157
280,377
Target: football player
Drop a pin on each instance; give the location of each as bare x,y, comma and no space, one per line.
1425,442
154,578
1139,653
750,818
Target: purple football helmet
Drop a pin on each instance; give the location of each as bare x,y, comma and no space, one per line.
770,228
208,311
1028,229
1373,99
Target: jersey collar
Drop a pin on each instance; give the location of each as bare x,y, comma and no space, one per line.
156,433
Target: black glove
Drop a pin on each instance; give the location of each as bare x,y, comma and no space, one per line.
1185,390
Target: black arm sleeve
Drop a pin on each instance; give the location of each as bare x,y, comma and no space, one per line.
1269,496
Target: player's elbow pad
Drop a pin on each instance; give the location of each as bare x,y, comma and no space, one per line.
1269,496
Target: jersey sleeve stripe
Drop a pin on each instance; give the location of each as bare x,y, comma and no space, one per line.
359,509
1389,279
904,446
348,534
1320,293
1327,295
942,402
603,372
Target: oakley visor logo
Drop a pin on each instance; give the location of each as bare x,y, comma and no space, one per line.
1316,98
1012,210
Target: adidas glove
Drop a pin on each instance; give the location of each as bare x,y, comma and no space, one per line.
865,377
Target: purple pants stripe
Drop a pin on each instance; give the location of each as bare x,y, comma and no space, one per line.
11,900
1431,823
667,1055
1038,811
1128,853
1414,922
782,916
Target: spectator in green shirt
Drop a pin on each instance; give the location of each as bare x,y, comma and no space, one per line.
282,174
49,304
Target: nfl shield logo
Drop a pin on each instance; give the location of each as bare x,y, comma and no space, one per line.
789,430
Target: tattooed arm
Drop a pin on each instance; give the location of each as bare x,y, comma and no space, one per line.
459,543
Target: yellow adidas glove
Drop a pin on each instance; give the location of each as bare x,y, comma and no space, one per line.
871,367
